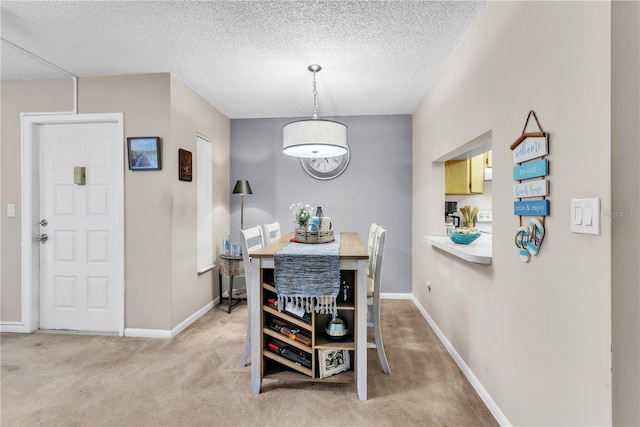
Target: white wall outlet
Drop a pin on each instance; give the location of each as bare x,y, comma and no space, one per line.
585,216
484,216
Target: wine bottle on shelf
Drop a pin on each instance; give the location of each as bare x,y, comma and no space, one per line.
290,332
291,354
295,334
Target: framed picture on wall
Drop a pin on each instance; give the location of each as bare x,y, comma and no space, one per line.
144,153
185,165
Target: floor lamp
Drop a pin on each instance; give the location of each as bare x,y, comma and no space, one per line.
242,187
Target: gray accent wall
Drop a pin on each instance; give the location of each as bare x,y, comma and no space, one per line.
375,187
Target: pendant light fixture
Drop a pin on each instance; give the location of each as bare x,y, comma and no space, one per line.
315,137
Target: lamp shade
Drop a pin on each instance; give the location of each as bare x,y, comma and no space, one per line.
242,187
314,138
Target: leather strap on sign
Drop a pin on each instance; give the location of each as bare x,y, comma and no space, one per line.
526,135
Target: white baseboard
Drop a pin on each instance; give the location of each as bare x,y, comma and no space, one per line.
189,320
18,327
15,327
482,392
386,295
165,333
147,333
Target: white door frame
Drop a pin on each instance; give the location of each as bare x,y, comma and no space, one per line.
31,212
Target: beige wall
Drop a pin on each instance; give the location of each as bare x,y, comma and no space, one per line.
20,96
145,102
156,254
191,114
536,335
625,211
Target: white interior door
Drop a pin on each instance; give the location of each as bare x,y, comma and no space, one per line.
82,261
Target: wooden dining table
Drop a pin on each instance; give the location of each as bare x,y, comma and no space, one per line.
353,257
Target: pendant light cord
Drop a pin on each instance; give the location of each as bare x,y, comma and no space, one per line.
314,68
315,97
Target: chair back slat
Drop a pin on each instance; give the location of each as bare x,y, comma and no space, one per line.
250,240
377,257
374,266
373,236
271,232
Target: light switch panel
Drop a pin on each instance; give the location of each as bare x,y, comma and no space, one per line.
585,216
11,210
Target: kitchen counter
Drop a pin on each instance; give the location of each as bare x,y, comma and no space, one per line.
478,252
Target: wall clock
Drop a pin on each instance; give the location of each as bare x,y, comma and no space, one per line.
326,167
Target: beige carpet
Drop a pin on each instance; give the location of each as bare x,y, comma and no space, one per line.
195,379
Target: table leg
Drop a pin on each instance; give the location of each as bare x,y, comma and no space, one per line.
361,330
230,293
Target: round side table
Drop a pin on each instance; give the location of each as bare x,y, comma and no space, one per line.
231,266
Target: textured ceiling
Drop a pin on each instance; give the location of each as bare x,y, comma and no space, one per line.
248,58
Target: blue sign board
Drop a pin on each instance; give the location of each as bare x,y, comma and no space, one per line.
531,170
531,208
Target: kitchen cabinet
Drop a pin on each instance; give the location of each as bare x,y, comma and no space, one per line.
488,159
465,176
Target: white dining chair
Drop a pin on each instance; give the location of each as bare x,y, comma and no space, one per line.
373,235
271,232
373,295
250,240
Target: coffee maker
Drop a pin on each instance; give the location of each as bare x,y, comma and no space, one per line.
450,209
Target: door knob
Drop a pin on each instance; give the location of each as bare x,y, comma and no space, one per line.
42,238
44,223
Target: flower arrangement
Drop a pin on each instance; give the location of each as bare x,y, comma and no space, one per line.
301,214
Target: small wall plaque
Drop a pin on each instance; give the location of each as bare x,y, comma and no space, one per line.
185,165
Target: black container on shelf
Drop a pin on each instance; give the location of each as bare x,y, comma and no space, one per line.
347,288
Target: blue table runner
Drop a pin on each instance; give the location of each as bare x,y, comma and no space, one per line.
307,271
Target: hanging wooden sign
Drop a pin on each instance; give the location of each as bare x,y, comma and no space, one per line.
531,170
537,188
528,147
531,148
531,208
